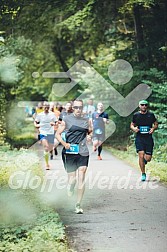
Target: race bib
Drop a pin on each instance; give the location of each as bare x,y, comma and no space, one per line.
74,149
144,129
98,131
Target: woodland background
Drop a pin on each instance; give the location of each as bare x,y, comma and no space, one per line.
51,36
38,36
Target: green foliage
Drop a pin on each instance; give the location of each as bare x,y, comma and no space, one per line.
76,20
45,233
8,70
2,121
128,6
12,161
26,224
20,129
160,153
158,82
33,226
54,35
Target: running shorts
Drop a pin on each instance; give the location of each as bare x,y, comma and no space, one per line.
145,144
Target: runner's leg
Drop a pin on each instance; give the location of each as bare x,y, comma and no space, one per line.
141,161
46,152
81,183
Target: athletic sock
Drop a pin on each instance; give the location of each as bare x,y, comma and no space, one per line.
46,157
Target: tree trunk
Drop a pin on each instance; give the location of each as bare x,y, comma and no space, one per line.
139,33
58,53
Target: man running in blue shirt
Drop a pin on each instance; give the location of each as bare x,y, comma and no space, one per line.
99,119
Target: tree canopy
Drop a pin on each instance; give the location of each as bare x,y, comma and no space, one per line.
51,36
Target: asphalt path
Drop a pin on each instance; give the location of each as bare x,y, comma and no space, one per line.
121,213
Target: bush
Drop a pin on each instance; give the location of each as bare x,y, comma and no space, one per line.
26,223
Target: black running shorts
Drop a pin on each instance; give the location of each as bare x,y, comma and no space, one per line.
145,144
73,161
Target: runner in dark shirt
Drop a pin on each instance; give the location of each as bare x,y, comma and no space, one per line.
144,123
99,119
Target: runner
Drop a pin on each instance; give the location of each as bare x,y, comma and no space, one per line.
38,110
75,154
45,122
144,123
56,143
89,109
99,119
67,111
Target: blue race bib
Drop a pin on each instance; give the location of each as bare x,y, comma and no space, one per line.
98,131
74,149
144,129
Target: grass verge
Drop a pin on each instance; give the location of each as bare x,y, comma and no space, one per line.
23,134
156,168
26,223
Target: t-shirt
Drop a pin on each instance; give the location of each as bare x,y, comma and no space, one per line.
63,114
98,123
89,110
44,120
147,120
76,131
38,110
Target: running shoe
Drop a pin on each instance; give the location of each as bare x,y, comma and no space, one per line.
78,209
143,177
48,167
99,157
145,161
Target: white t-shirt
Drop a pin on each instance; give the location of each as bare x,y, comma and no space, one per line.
44,120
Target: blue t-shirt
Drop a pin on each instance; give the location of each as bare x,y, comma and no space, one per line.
98,123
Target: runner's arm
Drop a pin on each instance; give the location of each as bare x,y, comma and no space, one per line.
155,126
106,119
90,130
60,129
53,123
37,124
134,127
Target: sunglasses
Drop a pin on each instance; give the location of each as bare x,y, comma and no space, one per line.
144,105
78,107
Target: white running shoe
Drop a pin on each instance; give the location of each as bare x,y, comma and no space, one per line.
78,209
